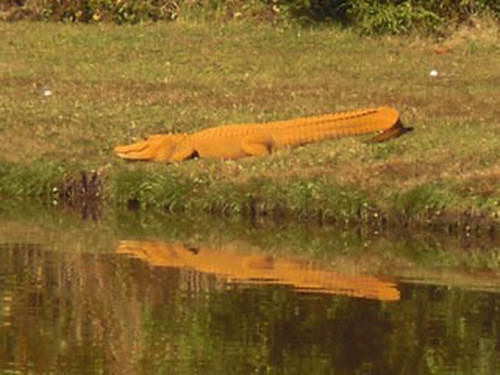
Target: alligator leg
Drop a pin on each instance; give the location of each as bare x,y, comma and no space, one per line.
397,130
183,154
257,145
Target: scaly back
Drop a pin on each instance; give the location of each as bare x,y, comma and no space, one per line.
314,129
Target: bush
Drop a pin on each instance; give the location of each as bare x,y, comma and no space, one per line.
398,17
368,16
372,17
118,11
391,16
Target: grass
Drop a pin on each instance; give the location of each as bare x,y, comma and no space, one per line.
115,84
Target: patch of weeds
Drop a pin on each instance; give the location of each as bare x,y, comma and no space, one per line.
373,17
305,199
277,198
483,259
425,202
222,199
309,199
144,189
347,203
36,180
385,150
82,192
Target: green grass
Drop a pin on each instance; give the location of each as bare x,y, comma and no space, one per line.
116,84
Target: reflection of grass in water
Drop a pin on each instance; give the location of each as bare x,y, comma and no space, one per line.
56,228
345,248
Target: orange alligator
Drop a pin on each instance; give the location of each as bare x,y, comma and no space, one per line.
234,267
258,139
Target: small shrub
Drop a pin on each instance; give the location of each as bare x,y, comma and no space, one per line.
368,16
118,11
315,10
372,17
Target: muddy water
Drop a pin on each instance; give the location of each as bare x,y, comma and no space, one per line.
161,295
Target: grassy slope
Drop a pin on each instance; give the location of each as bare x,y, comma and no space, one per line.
115,84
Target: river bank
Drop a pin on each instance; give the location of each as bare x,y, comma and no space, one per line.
70,93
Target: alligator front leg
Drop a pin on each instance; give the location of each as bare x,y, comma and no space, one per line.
184,153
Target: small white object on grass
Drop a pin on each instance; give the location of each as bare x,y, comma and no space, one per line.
433,73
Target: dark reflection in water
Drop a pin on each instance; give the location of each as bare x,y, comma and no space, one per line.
166,311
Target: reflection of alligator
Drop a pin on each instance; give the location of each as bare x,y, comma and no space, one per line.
234,267
237,141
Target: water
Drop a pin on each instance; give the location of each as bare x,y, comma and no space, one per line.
160,295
